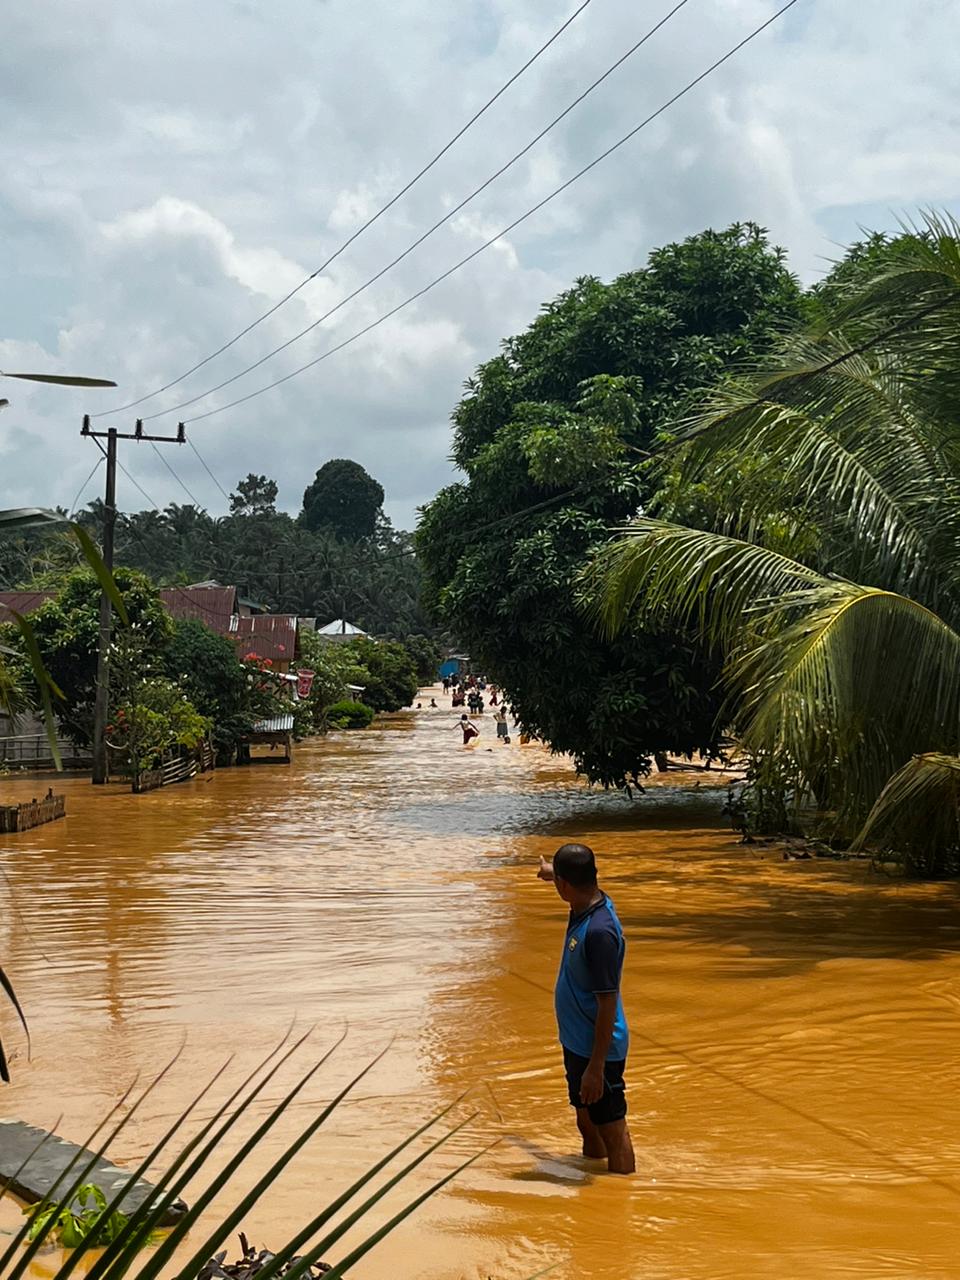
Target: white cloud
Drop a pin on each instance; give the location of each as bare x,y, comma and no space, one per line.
170,171
262,270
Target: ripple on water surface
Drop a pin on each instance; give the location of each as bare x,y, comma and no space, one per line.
793,1072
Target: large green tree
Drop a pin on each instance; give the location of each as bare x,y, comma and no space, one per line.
67,632
553,436
842,657
206,668
389,673
344,499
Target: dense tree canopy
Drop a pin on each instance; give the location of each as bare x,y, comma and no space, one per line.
553,435
344,499
390,679
67,631
841,655
255,496
268,554
206,668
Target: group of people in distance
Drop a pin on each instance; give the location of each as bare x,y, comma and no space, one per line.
469,691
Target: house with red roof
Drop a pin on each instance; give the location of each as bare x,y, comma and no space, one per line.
256,633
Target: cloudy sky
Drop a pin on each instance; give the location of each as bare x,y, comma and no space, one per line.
171,170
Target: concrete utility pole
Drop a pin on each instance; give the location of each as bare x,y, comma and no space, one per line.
102,702
103,647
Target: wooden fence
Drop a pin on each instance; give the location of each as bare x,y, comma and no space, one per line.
176,766
32,813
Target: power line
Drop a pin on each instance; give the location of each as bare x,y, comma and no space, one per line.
71,509
447,217
137,485
506,230
207,469
132,528
369,223
196,503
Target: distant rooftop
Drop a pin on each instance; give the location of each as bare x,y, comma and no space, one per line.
276,724
340,627
22,602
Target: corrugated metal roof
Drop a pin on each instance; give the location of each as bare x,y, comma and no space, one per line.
22,602
214,605
276,724
268,635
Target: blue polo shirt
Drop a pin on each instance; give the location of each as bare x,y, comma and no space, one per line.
591,964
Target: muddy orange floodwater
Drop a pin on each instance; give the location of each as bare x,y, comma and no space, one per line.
794,1079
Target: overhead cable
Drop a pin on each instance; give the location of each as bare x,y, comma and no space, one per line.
169,466
506,230
365,226
207,469
73,507
447,217
137,485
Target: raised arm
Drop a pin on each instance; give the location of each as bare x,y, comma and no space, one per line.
546,870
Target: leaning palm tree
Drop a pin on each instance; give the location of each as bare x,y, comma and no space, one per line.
842,659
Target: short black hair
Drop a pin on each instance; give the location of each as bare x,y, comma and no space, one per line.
576,864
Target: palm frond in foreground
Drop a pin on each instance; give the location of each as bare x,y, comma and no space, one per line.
318,1238
842,665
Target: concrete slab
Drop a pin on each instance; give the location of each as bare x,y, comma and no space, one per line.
33,1182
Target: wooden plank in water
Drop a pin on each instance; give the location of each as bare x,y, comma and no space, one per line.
44,1167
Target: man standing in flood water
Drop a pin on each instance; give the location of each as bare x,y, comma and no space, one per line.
590,1017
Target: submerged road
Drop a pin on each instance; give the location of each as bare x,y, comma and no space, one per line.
794,1077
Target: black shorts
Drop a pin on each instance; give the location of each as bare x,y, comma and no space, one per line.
612,1106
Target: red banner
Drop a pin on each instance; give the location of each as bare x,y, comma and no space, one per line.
304,683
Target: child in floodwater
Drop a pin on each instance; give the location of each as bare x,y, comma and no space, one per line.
503,729
470,730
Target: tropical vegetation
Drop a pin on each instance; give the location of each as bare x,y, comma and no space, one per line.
825,571
175,683
348,714
353,564
76,1215
554,436
344,499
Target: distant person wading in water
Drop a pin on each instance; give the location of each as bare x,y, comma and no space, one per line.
503,728
590,1017
470,730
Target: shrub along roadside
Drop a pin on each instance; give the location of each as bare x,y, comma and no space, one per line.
385,670
349,715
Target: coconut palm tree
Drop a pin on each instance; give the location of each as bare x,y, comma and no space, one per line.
842,659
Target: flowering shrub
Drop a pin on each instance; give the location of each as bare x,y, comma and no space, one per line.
160,718
268,691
